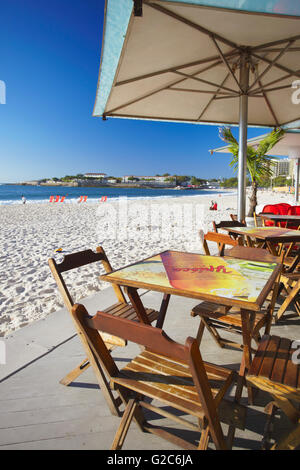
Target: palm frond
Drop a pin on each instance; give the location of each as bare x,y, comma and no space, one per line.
259,165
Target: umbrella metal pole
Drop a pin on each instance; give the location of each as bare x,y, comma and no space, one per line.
297,180
243,123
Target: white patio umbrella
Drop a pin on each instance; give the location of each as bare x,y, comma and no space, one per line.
203,62
288,146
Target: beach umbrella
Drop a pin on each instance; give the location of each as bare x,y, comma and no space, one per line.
288,146
204,62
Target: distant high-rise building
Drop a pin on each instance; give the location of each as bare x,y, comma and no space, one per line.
283,167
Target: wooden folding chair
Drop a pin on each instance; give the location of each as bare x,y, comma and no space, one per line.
221,239
172,373
291,285
234,217
228,224
122,308
276,370
258,221
215,317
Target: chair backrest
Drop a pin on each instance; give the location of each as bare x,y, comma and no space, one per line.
227,223
234,217
257,220
221,239
271,209
283,208
155,340
77,260
294,210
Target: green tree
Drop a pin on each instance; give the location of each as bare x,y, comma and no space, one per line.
229,183
259,165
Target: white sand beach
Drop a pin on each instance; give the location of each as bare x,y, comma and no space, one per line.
129,230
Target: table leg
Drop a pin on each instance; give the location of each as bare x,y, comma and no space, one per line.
137,305
163,310
247,326
272,249
249,242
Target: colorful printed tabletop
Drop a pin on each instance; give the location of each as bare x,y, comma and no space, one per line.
227,278
266,232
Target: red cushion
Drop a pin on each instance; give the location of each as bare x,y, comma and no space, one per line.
271,209
294,210
283,208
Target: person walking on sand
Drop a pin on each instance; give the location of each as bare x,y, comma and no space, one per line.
23,199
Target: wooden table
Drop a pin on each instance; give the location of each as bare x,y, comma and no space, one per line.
222,280
276,218
268,236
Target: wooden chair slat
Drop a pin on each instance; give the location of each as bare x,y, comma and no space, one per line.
117,309
281,359
230,318
228,223
291,371
176,386
164,360
153,376
269,358
79,259
151,361
153,392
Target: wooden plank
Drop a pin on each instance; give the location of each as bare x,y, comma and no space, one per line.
165,364
281,360
259,356
153,392
176,386
140,333
269,358
291,371
76,260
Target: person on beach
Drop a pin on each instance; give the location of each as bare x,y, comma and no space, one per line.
213,206
23,199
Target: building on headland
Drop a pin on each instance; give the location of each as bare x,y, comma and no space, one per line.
129,178
150,180
95,175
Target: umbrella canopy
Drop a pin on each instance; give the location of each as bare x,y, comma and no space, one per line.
288,146
204,62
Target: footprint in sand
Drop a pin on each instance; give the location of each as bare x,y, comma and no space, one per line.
20,289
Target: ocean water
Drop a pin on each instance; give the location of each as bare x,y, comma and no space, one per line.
11,194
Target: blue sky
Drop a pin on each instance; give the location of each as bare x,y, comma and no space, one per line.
50,54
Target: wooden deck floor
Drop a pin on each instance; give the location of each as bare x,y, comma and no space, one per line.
36,412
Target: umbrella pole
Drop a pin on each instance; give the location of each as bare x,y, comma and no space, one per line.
297,180
243,123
